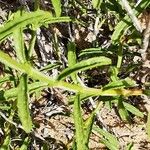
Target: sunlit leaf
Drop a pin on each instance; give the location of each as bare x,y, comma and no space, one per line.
6,142
129,146
25,144
120,84
28,69
96,3
84,65
79,134
111,138
133,110
126,22
89,123
72,59
57,7
122,110
37,19
23,104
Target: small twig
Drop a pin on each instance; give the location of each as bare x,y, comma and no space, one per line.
36,134
10,121
146,36
130,12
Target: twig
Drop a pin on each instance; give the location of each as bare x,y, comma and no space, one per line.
10,121
130,12
146,36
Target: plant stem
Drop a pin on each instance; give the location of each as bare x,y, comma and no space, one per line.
26,68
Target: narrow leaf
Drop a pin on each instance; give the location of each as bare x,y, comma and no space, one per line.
122,110
111,138
23,105
78,121
133,109
108,144
19,40
57,7
120,84
18,22
91,52
72,59
96,3
122,25
37,18
89,123
50,66
129,146
25,144
84,65
12,93
19,45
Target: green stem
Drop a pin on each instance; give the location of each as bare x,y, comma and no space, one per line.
26,68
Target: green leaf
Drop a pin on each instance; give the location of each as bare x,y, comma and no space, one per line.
36,18
19,44
8,61
108,144
72,59
133,110
114,73
12,93
89,123
21,22
126,22
57,7
92,52
96,3
120,84
35,74
84,65
50,66
129,146
78,121
111,138
25,144
23,105
5,145
122,110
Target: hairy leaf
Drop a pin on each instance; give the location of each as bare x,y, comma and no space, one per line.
23,105
36,19
57,7
84,65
